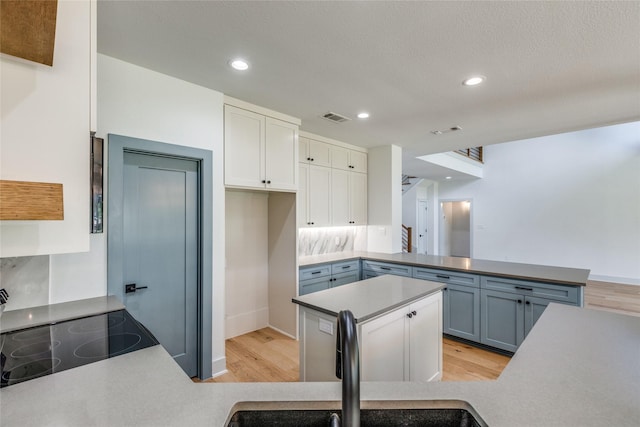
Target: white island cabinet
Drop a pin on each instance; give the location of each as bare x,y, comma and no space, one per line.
399,327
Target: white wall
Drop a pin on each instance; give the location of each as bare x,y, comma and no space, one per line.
384,192
569,200
140,103
247,262
45,135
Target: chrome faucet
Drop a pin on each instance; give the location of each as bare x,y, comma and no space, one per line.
348,368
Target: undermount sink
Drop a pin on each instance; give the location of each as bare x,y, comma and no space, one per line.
441,413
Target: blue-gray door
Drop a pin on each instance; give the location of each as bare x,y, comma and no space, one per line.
160,250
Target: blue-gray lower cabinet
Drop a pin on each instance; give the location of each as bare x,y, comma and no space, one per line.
377,268
320,277
507,317
461,311
461,302
502,324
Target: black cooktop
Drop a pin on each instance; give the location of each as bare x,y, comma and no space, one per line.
35,352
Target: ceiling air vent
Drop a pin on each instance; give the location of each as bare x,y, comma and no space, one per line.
334,117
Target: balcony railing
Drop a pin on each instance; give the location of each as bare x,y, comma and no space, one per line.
474,153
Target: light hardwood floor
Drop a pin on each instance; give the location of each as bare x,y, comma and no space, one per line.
269,356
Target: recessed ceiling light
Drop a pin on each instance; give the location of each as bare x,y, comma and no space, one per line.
473,81
447,177
239,64
363,115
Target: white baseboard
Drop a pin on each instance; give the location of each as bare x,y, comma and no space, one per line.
218,367
246,322
283,332
614,279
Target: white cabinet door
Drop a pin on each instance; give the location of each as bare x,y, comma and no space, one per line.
358,198
319,196
281,160
244,146
425,342
340,202
302,197
319,153
358,161
340,158
383,355
303,150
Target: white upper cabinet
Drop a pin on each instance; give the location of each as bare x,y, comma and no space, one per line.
281,155
333,190
260,152
315,152
348,198
351,160
358,198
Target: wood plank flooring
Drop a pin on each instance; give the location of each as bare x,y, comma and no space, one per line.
266,355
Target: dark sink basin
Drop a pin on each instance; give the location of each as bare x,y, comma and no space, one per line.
373,414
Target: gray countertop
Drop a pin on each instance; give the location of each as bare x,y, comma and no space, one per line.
369,298
576,367
514,270
45,314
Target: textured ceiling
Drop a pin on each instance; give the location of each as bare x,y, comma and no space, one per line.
551,66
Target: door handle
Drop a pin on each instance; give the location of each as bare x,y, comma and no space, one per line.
131,288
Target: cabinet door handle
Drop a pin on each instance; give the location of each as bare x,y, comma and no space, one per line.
385,268
519,301
344,267
313,160
444,289
269,182
309,158
442,276
264,181
528,302
316,272
414,312
409,315
522,288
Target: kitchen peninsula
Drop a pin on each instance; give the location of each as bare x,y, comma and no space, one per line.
493,303
399,323
577,367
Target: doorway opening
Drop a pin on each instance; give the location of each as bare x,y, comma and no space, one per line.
455,237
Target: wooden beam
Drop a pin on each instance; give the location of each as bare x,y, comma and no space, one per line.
20,200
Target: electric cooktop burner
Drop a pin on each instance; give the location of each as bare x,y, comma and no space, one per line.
43,350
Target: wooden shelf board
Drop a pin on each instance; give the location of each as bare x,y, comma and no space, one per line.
21,200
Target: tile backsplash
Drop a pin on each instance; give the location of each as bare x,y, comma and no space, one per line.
324,240
26,280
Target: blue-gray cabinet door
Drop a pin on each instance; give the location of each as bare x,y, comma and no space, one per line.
160,241
461,308
533,309
502,323
344,278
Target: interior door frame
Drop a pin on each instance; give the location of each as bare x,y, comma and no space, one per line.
440,213
425,240
117,146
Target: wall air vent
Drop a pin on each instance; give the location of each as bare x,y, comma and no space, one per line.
334,117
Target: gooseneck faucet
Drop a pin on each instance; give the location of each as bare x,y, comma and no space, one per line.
348,368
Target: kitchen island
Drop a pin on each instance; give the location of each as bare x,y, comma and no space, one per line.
577,367
399,324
